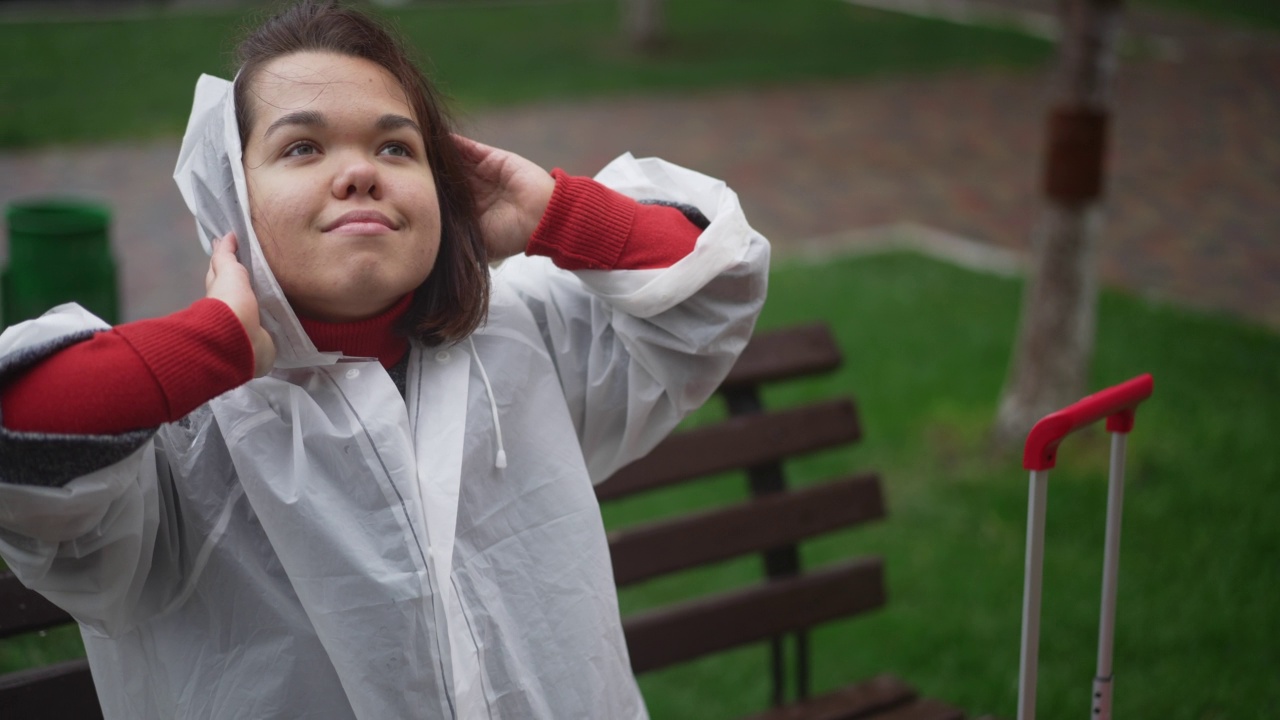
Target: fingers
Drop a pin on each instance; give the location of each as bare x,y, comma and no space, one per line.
465,144
471,149
228,281
211,275
224,246
223,257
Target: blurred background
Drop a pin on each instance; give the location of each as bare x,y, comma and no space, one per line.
892,151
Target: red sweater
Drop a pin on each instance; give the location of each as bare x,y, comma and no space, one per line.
141,374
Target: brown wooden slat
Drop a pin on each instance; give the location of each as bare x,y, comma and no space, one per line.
54,692
738,442
676,633
23,610
642,552
786,353
865,699
921,709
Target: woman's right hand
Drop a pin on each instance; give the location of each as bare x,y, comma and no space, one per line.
228,281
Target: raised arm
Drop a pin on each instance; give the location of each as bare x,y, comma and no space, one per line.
638,349
142,374
88,515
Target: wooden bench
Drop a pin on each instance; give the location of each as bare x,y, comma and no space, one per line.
790,599
788,602
62,691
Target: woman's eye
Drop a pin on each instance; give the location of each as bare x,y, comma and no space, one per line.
300,149
396,149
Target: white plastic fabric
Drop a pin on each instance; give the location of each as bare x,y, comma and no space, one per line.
311,544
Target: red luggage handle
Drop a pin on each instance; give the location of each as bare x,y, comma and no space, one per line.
1116,404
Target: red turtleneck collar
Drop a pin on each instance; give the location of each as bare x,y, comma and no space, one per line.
372,337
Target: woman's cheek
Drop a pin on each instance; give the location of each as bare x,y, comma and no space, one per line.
287,218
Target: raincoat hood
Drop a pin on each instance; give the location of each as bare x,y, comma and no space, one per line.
210,175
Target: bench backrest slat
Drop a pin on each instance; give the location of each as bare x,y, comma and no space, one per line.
54,692
677,633
756,441
785,354
738,442
23,610
642,552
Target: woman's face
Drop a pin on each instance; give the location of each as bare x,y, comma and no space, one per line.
340,191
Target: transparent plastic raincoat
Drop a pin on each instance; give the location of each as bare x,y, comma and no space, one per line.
313,544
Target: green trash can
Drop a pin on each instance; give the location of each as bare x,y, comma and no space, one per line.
59,251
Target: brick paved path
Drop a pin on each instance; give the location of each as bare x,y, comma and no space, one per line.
1194,191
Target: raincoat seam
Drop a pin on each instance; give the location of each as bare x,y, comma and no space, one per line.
381,463
453,711
417,394
472,633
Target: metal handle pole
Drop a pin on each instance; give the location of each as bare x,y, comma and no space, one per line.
1117,404
1030,656
1101,709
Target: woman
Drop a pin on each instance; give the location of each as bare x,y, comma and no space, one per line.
355,480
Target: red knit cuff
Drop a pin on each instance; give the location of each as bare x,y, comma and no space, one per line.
660,237
585,226
195,354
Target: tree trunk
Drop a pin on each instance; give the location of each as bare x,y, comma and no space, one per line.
643,23
1054,348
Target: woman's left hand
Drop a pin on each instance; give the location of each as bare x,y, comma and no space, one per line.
511,195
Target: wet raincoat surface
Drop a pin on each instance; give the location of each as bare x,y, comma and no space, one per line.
313,544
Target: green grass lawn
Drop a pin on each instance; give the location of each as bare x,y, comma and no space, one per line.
1253,13
926,344
75,82
91,81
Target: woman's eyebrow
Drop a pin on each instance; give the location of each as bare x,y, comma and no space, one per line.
309,118
390,122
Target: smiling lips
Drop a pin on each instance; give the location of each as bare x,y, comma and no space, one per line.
361,222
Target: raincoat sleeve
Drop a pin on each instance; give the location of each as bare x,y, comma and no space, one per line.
84,520
637,350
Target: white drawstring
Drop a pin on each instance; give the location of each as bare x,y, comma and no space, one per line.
500,461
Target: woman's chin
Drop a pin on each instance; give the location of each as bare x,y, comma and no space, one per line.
358,294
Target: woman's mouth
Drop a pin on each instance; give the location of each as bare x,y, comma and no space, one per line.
361,222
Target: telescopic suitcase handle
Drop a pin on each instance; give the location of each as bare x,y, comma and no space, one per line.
1117,404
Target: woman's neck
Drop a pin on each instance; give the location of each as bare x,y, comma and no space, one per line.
371,337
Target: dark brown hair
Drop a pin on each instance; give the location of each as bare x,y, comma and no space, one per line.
453,300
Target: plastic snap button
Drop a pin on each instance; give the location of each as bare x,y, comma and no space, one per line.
442,356
352,374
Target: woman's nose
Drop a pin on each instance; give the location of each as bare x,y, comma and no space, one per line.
357,176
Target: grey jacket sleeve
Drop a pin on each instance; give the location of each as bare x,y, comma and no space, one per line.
51,459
